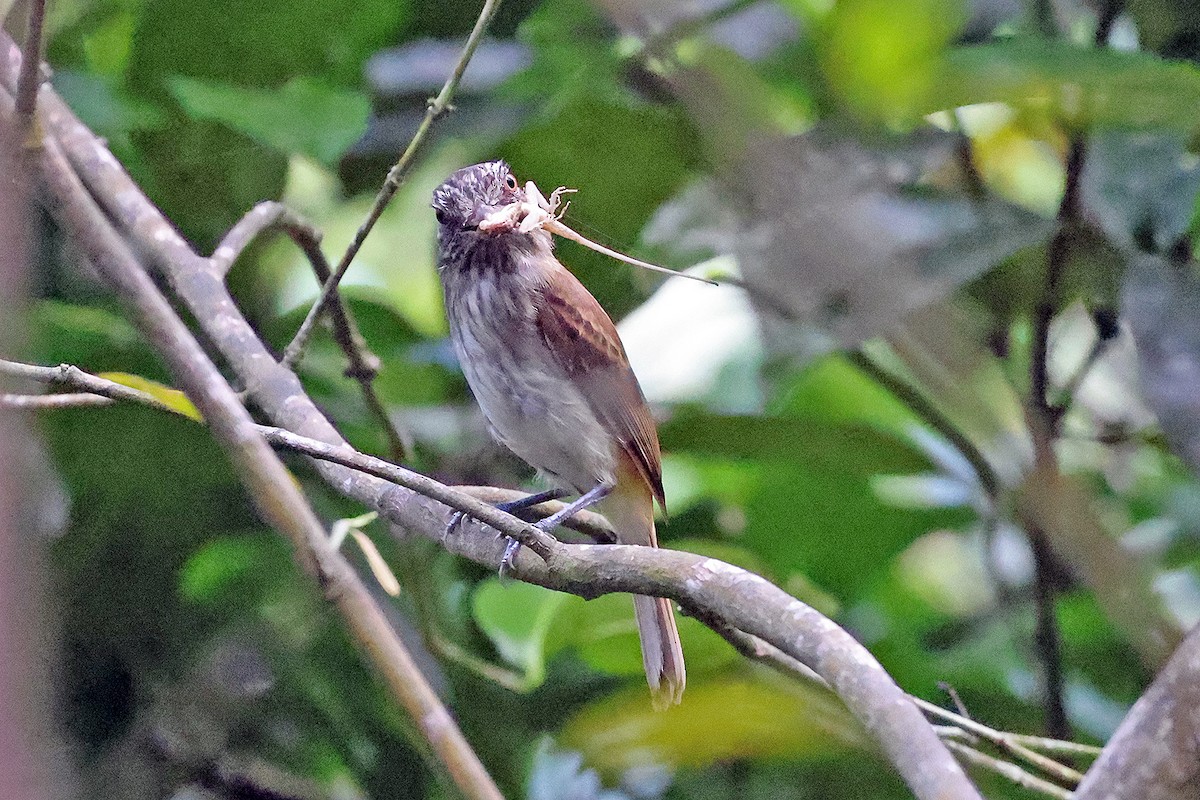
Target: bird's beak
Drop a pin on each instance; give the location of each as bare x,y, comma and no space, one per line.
495,220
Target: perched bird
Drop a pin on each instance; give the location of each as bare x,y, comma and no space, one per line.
545,363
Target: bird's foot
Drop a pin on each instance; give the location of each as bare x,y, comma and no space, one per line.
513,546
509,507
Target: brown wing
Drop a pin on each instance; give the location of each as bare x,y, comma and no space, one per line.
585,342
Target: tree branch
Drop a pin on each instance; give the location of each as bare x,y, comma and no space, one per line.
43,401
363,365
31,60
266,479
1155,752
475,501
1008,770
395,179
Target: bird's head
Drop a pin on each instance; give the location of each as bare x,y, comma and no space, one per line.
473,193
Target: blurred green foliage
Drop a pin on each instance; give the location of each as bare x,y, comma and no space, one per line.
188,635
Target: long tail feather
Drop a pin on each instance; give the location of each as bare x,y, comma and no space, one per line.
662,653
630,509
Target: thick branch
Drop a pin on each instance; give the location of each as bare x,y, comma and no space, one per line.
1155,753
266,479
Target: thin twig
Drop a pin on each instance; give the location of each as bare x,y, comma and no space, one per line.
1013,744
395,179
29,79
1007,770
535,539
36,402
1045,417
362,364
1044,424
954,698
72,377
1046,637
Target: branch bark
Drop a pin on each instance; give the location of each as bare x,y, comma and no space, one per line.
24,725
1155,753
266,479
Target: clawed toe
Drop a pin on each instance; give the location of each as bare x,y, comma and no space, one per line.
510,554
456,519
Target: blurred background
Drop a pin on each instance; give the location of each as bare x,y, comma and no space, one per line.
880,180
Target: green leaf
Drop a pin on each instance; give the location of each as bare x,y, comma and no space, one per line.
1085,87
106,107
517,617
304,116
834,390
882,56
719,720
262,43
812,486
227,566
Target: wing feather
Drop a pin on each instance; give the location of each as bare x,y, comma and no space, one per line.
585,343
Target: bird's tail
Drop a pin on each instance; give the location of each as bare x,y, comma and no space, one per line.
630,509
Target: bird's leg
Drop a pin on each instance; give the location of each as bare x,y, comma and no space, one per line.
593,496
508,507
590,498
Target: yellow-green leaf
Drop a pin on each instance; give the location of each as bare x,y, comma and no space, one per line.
727,718
173,399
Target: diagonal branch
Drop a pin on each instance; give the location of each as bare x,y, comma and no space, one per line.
395,179
363,365
31,60
267,481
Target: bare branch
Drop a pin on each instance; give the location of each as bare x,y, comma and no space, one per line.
1155,752
1008,770
72,377
363,365
35,402
1009,743
395,179
475,501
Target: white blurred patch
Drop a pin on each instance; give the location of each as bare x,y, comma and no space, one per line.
693,342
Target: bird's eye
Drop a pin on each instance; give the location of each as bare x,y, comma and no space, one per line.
442,216
511,182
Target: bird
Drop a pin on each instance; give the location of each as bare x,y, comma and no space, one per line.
548,369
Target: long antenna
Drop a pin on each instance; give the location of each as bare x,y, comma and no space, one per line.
556,226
